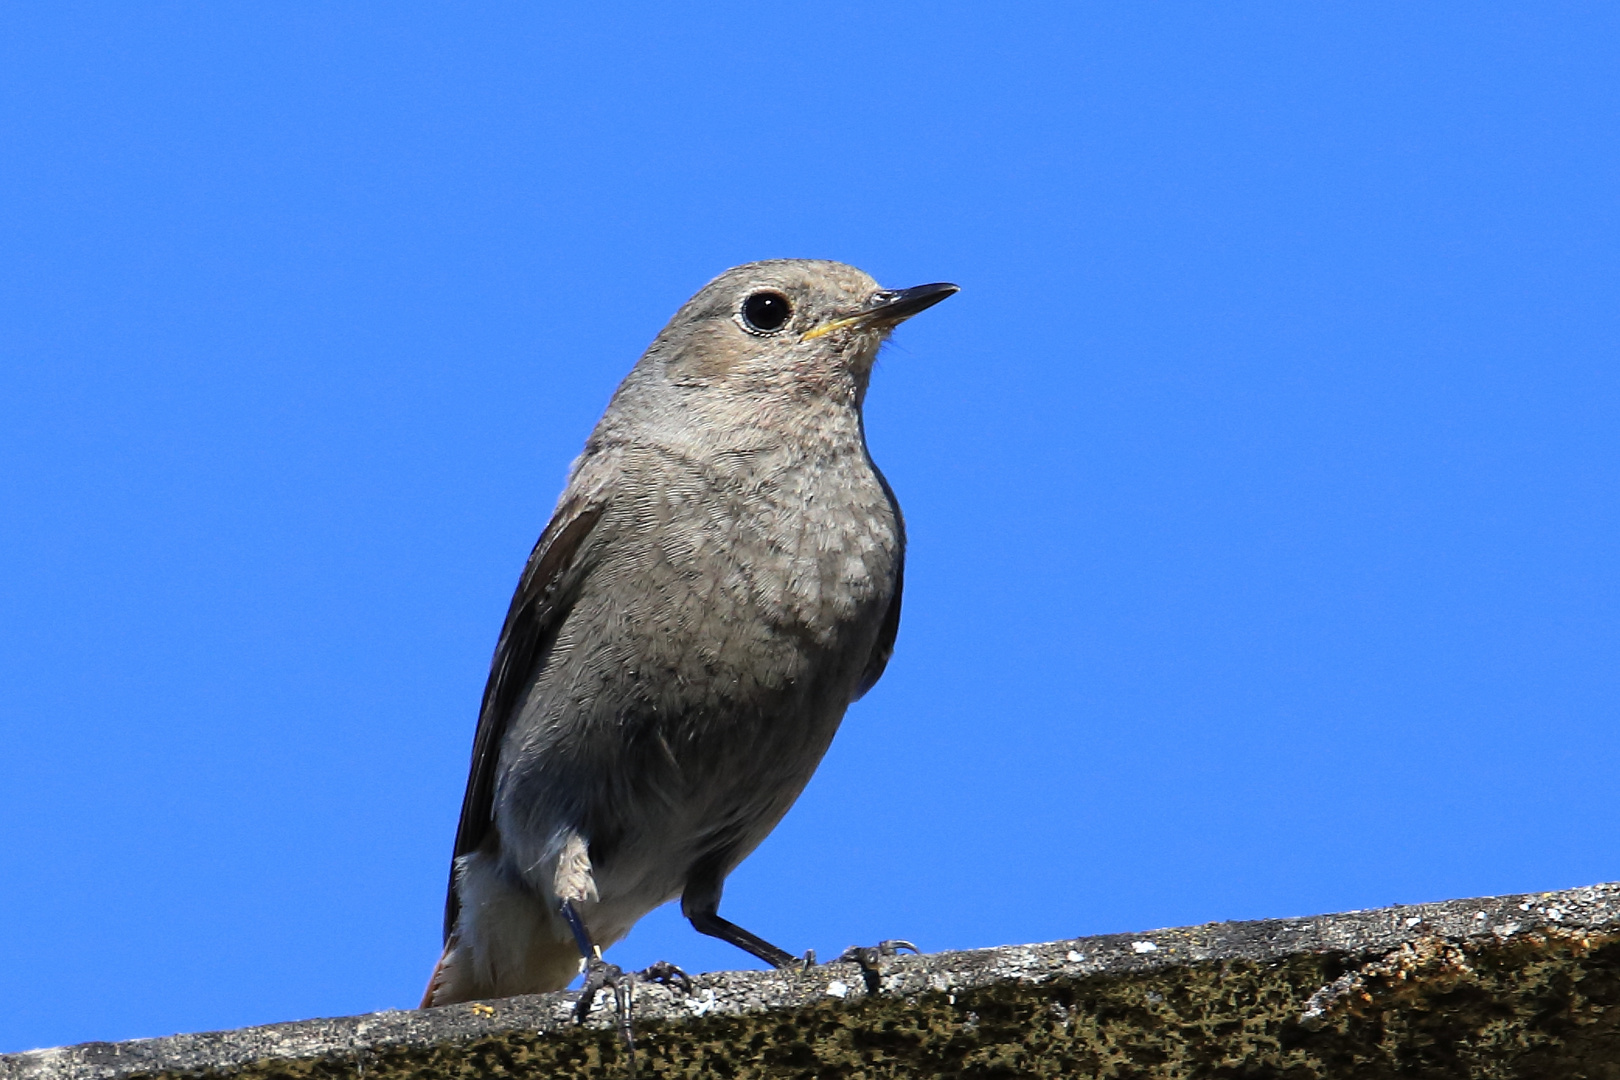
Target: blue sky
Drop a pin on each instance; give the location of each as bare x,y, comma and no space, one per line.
1261,481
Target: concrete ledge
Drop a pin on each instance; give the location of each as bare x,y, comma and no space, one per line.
1518,986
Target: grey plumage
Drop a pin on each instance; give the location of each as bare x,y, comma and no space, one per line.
721,578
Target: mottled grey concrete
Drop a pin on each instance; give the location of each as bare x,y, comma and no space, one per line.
1521,986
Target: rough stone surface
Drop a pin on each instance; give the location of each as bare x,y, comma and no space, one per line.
1518,986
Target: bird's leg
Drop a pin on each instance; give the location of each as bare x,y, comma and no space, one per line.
867,956
700,903
709,922
599,975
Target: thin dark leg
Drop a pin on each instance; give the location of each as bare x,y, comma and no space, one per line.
599,975
710,923
582,937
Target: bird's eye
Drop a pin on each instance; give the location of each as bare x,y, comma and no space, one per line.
766,312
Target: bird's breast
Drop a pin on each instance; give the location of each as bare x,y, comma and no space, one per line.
801,547
739,579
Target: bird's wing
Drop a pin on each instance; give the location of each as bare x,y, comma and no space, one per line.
883,648
543,597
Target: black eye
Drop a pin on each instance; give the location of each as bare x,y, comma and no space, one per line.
766,312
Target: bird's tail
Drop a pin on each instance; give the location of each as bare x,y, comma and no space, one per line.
505,942
545,966
436,981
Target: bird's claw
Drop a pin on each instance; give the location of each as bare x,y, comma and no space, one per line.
867,957
601,975
869,954
666,974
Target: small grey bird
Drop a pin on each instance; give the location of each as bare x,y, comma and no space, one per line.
720,579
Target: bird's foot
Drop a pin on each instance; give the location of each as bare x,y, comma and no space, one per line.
601,975
868,957
666,974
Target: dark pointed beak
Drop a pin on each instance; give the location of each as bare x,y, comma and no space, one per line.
888,308
893,306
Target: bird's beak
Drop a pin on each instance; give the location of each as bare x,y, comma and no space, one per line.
889,308
894,306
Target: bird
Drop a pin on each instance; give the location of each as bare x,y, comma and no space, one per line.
720,580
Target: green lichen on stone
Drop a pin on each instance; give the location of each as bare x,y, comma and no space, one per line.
1431,1010
1492,989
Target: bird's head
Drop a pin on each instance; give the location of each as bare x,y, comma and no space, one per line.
786,326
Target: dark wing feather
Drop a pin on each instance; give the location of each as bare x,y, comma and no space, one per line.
531,623
883,648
